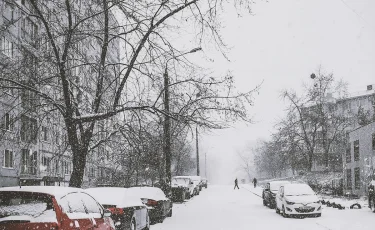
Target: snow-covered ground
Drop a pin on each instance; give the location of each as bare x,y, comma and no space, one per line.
222,208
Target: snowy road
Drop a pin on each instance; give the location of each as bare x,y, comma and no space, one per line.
222,208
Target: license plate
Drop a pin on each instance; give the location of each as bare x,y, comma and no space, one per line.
305,207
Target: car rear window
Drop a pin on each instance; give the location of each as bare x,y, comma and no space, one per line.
27,207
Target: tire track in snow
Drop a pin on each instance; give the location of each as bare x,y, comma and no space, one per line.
251,192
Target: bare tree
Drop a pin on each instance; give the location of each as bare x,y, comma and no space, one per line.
79,74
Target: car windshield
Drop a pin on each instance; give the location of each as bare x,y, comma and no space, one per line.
26,206
298,190
276,185
183,181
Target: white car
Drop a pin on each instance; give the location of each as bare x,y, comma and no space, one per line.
297,200
184,181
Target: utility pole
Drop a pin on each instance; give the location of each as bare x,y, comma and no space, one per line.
205,165
196,138
167,136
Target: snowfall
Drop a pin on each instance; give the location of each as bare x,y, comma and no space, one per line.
223,208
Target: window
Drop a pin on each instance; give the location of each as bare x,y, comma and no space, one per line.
356,150
348,153
66,167
28,129
91,172
8,123
8,159
8,12
373,141
6,47
349,179
46,162
91,205
357,178
72,203
29,162
44,133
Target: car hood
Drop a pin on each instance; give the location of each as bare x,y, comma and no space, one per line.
179,185
303,199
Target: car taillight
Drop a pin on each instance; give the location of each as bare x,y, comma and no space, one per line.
152,202
116,211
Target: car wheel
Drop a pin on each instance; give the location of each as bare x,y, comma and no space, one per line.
132,225
318,215
264,202
188,196
277,210
284,214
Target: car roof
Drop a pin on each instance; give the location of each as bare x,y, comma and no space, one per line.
280,182
114,196
55,191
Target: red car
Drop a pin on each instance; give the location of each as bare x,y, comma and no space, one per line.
51,208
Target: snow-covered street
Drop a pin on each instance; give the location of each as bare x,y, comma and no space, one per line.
222,208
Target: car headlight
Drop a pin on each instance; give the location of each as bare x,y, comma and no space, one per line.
289,202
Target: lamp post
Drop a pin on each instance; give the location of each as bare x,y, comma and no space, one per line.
197,144
167,133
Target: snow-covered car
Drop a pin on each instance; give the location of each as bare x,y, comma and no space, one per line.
297,199
128,212
158,205
269,192
204,182
50,207
182,188
197,181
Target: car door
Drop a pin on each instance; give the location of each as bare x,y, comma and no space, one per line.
279,197
94,210
73,207
267,192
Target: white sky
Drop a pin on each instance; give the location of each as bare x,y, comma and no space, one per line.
282,44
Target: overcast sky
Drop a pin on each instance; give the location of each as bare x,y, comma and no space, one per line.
281,44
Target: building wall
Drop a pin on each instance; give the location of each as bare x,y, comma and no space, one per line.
53,162
366,162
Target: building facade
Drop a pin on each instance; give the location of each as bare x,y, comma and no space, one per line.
33,141
360,160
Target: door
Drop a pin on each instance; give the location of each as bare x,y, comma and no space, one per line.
94,210
73,207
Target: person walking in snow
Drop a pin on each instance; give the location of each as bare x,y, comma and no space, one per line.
255,182
236,184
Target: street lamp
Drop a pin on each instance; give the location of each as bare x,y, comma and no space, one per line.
167,134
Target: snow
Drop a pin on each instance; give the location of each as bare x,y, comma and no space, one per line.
147,192
275,185
115,196
56,191
222,208
297,189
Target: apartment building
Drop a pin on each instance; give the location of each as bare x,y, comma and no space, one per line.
359,160
357,109
33,142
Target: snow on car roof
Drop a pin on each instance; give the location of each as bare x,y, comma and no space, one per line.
56,191
114,196
298,189
275,185
196,178
147,192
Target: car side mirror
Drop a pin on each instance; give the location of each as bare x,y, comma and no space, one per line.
191,183
266,189
107,213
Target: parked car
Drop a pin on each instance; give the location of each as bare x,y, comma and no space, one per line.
297,199
269,192
197,184
204,182
159,206
50,207
128,212
182,188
